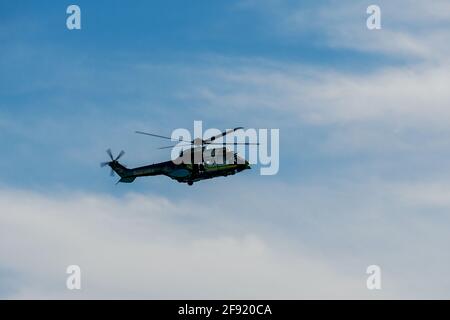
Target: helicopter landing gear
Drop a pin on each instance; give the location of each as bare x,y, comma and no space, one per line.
190,183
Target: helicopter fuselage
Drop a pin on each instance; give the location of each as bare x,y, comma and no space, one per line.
199,162
181,171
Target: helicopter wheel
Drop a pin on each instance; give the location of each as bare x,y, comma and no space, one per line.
190,183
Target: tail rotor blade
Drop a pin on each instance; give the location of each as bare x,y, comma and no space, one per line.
120,155
110,154
103,164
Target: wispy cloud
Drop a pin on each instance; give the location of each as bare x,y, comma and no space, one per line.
363,177
411,29
413,95
143,246
146,247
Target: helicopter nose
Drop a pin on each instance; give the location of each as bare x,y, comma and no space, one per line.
243,166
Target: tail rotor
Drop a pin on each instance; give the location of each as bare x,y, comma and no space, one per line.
113,160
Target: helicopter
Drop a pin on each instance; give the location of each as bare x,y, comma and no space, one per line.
193,164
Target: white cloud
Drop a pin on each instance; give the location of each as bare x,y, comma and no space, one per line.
266,241
402,96
410,29
317,244
145,247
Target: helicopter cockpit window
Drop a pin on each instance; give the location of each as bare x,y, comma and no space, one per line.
208,158
218,157
229,158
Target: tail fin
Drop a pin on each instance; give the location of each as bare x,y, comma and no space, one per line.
119,169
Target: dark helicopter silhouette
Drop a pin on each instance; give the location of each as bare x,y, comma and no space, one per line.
193,164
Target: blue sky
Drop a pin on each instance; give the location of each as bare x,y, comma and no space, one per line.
363,118
129,64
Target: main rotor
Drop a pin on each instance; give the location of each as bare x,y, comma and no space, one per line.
199,142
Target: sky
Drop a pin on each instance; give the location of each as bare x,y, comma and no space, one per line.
364,145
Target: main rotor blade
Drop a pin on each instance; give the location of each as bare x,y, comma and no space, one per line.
208,141
110,154
153,135
120,155
168,147
235,143
162,137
